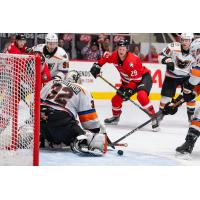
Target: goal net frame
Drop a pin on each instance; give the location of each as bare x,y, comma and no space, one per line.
15,95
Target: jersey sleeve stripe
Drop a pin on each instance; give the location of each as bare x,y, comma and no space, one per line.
195,122
88,117
86,112
196,72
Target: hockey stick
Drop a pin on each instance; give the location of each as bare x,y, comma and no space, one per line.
109,142
131,132
149,114
177,104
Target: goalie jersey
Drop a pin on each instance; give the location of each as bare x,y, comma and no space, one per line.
182,59
58,60
72,98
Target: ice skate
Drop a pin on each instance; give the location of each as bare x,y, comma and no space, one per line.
112,120
155,125
186,148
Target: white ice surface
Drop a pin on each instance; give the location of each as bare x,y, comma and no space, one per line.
144,147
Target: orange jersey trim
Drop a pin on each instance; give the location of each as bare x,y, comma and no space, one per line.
196,72
88,117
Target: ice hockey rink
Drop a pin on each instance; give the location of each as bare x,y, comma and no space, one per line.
145,147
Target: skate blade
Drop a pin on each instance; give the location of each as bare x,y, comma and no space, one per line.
157,129
113,123
184,156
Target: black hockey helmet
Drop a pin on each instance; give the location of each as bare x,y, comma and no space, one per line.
123,43
20,36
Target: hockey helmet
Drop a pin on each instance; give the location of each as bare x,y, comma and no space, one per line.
187,36
20,36
123,43
51,37
195,45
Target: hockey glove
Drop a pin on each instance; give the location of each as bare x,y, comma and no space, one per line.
169,109
95,70
170,66
125,93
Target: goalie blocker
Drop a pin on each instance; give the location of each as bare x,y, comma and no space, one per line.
61,102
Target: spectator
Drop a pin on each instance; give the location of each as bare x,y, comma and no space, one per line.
106,46
136,51
92,51
153,57
12,39
82,41
62,44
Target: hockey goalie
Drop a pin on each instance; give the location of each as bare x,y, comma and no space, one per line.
61,102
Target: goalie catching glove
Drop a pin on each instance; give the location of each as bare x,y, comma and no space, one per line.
91,143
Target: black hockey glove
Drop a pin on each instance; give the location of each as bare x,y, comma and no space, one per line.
188,93
169,109
170,66
95,70
125,93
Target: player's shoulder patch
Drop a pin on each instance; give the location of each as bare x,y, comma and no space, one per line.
175,45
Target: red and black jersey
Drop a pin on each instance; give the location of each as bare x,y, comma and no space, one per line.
131,69
13,49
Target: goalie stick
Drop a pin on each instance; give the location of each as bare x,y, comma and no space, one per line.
111,144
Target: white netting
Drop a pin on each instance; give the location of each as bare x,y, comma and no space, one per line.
17,89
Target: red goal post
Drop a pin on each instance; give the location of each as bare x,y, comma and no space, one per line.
20,82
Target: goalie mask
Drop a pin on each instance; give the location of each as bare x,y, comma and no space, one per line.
74,77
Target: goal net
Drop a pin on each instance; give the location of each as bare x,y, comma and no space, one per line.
19,109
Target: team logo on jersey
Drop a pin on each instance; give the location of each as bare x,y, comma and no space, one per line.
131,64
182,63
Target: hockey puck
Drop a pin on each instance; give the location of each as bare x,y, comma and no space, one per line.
120,152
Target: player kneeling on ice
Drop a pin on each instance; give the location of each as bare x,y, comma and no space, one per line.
61,102
191,89
135,79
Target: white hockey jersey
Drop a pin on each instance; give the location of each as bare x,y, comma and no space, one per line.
195,73
72,98
57,60
174,52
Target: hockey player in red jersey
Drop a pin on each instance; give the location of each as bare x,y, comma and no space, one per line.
18,47
135,79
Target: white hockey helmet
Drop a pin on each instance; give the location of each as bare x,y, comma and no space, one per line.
73,76
51,37
195,45
187,36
